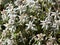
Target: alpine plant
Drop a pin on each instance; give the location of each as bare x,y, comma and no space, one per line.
30,22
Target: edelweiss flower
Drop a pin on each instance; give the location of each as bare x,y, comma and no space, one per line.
55,14
40,36
4,14
57,22
30,26
23,18
50,41
10,27
8,41
12,16
45,23
18,2
10,6
4,33
21,8
10,9
10,21
4,17
51,38
30,1
54,25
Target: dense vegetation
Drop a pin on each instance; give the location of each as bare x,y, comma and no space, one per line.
30,22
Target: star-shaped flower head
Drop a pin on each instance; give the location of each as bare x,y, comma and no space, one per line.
45,24
30,26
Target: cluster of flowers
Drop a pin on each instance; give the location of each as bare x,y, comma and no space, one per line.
27,13
52,20
40,37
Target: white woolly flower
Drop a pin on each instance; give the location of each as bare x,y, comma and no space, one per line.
23,18
40,36
10,6
10,27
45,23
4,17
30,1
18,2
8,41
54,25
4,14
30,26
10,9
21,8
55,14
51,38
50,41
12,16
4,33
57,23
10,21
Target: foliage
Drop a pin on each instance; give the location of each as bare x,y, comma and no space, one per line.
30,22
